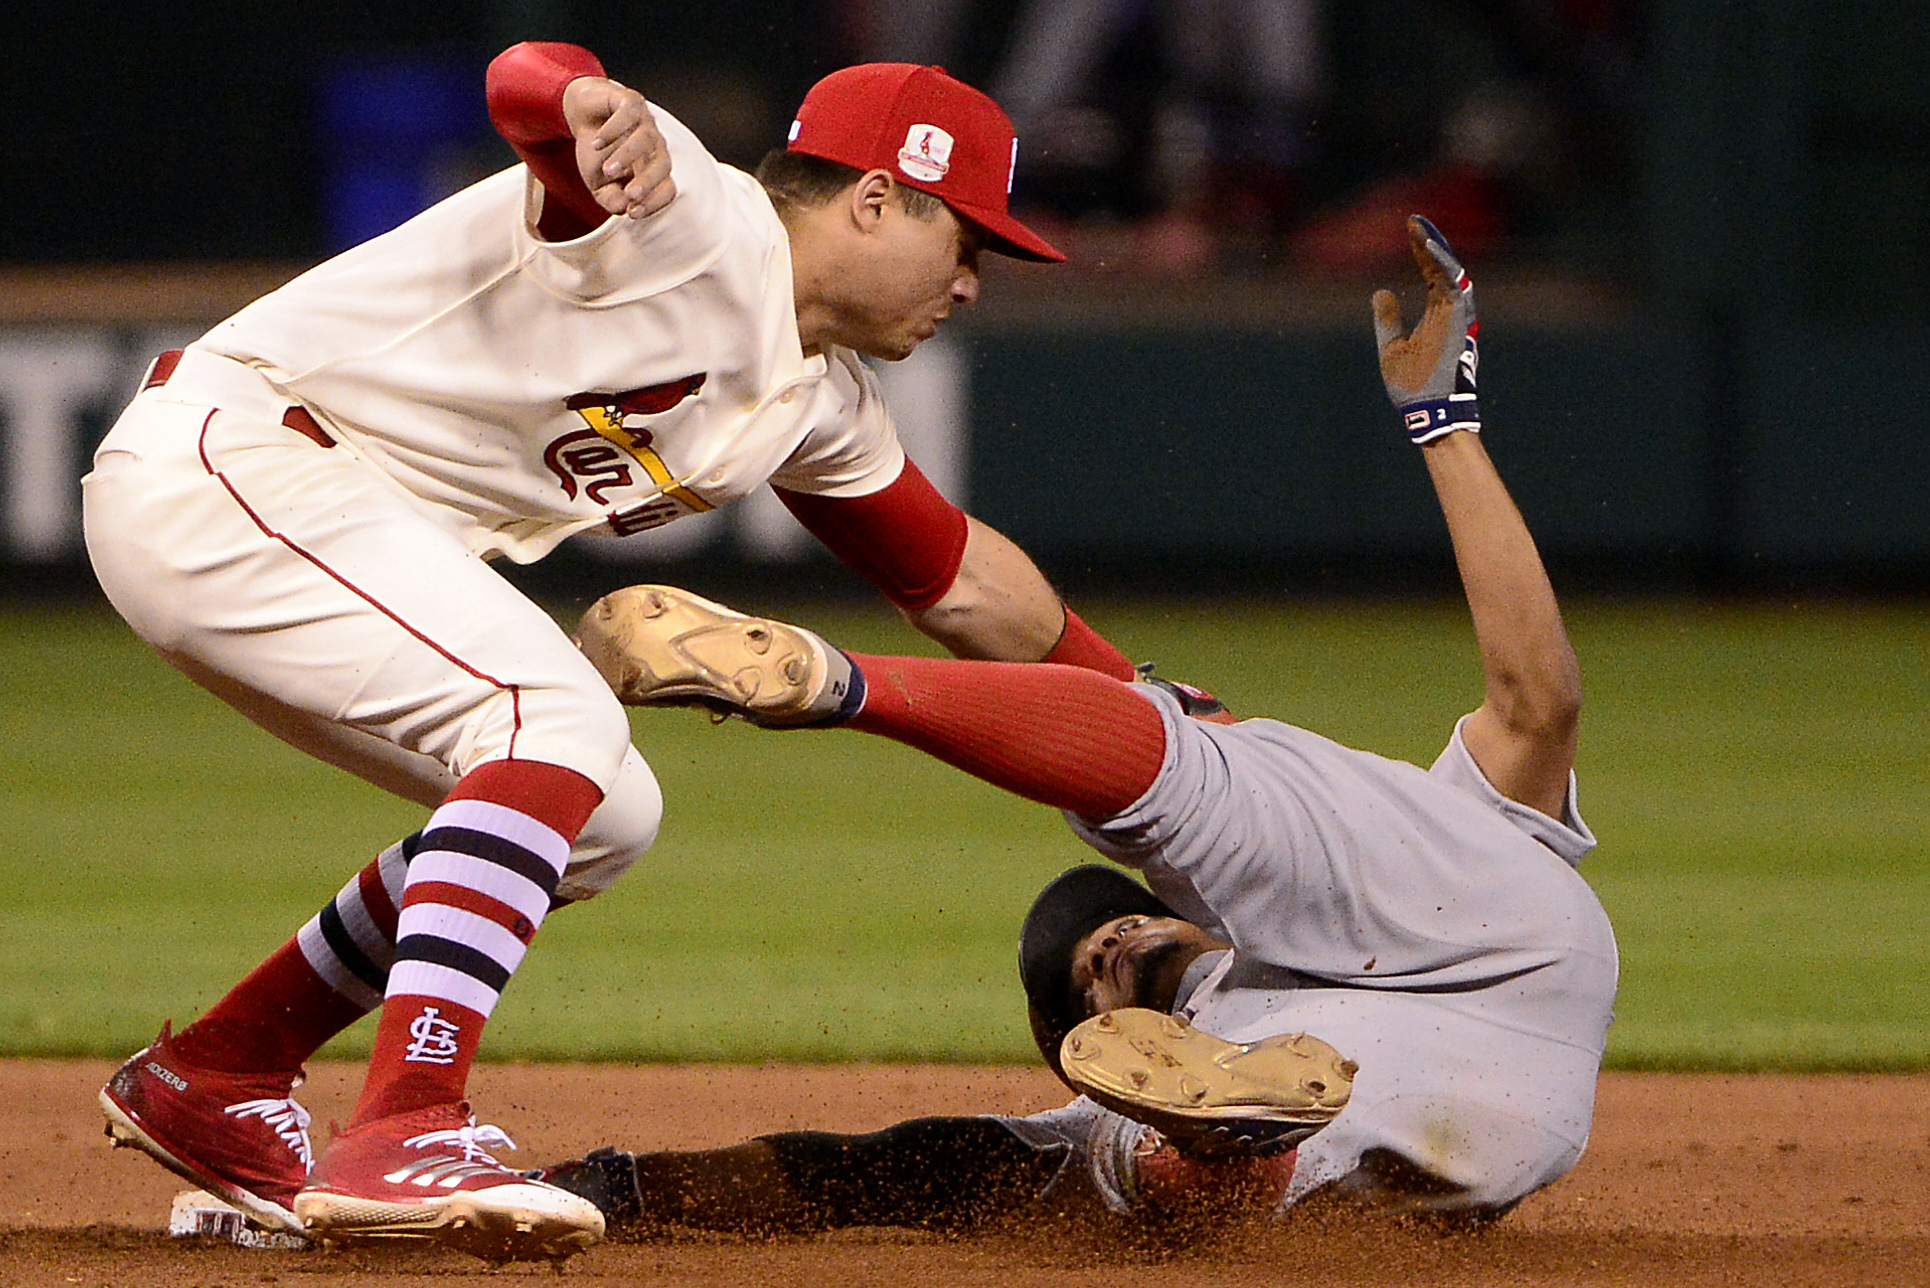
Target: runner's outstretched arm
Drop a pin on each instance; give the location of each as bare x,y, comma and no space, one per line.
1525,732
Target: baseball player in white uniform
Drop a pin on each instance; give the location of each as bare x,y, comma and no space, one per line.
300,509
1430,925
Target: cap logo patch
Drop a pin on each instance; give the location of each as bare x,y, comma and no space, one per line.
927,154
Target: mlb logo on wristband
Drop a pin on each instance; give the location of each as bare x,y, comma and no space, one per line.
1421,419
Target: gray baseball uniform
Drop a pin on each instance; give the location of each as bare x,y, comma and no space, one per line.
1430,928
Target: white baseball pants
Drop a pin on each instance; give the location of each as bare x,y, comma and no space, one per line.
311,592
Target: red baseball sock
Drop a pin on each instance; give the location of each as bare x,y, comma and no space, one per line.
314,986
271,1021
1060,735
479,884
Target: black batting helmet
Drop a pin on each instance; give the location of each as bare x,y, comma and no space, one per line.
1072,906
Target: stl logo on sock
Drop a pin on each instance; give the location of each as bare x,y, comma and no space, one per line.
435,1039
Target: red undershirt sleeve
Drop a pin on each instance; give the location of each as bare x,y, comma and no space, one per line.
906,538
525,90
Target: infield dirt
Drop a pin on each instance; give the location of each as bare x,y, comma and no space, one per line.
1690,1179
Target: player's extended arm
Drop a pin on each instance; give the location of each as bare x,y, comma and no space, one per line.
590,141
1525,732
929,1173
957,580
999,606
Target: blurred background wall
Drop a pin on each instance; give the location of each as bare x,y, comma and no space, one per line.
1700,230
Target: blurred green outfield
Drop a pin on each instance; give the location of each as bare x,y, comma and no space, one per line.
1759,776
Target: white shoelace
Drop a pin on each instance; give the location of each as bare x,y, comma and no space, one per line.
288,1119
474,1141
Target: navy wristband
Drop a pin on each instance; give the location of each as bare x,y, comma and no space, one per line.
1430,418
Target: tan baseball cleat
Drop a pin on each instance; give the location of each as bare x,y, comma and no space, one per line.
1207,1095
661,646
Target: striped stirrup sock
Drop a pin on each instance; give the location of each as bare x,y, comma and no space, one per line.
477,887
329,975
350,943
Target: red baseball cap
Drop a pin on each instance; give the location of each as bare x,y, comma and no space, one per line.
933,132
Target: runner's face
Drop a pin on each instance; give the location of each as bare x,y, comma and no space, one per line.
1136,961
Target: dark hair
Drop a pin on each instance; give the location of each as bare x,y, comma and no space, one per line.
798,181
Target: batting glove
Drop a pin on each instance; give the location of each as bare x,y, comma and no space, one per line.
1429,372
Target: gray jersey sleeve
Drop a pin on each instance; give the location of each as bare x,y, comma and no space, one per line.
1567,836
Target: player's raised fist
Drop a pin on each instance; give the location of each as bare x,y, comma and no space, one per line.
619,150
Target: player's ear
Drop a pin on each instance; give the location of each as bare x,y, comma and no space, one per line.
868,198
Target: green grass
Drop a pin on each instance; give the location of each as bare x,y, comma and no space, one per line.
1758,776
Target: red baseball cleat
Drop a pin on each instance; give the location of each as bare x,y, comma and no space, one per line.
238,1136
427,1174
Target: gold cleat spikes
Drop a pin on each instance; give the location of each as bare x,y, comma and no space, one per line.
661,646
1205,1094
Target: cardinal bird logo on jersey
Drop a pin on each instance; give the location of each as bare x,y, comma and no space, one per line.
607,414
599,459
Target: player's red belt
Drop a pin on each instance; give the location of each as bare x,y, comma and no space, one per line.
296,418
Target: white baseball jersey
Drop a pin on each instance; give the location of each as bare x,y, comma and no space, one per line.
527,390
1430,928
487,393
